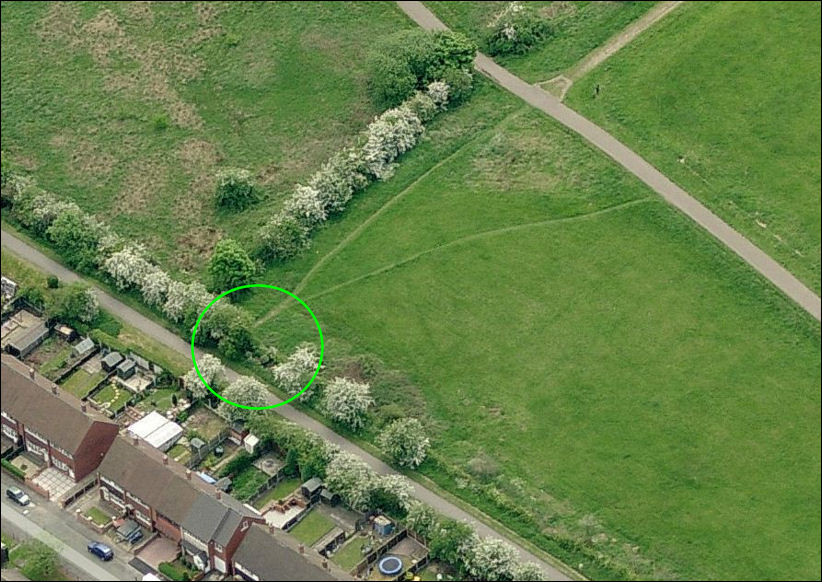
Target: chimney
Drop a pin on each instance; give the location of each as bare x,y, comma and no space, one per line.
218,494
83,407
165,459
188,474
31,373
302,547
135,440
271,529
325,563
53,389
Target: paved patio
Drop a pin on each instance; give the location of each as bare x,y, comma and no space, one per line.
160,549
54,481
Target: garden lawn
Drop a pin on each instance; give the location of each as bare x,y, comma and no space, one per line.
130,109
580,27
351,553
115,396
56,363
729,112
80,383
313,526
161,399
98,516
602,358
180,453
246,483
279,491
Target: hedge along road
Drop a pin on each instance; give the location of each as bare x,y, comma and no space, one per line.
256,286
554,570
778,275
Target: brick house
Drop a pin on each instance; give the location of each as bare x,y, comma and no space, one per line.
50,424
163,496
261,556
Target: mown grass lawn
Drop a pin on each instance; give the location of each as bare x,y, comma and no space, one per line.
606,356
112,397
279,491
80,383
98,516
314,526
580,27
130,109
730,112
351,553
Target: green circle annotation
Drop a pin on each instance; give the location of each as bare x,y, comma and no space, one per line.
251,286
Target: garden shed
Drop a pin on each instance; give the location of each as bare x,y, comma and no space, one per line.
126,369
311,488
111,361
83,347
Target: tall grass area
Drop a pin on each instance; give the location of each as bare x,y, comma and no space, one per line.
130,108
579,27
724,98
592,357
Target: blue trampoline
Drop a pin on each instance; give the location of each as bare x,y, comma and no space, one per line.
390,566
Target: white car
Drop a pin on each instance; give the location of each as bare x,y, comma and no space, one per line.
18,496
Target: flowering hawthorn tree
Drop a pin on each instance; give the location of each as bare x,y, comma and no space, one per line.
347,401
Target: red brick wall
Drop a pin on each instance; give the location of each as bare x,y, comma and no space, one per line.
90,453
167,528
236,538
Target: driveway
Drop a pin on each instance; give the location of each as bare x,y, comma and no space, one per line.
54,481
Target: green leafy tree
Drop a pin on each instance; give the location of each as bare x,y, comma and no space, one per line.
235,189
77,236
73,303
451,541
230,266
41,561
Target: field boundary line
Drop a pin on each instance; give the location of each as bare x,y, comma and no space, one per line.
478,236
280,307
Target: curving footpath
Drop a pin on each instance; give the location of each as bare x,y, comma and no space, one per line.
628,159
22,249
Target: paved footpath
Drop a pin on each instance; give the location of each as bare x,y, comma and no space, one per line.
620,153
22,249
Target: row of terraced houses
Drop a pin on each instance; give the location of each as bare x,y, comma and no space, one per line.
215,531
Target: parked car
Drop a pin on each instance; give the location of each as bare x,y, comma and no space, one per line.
18,496
100,550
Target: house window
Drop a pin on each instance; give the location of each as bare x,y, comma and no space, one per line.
60,464
137,499
64,452
142,517
218,547
6,415
37,450
10,432
112,485
30,432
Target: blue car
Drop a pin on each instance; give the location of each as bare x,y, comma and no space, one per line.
100,550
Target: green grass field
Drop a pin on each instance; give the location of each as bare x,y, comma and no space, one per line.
729,112
313,526
580,28
604,353
130,109
80,383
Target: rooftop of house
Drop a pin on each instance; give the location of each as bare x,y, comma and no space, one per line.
41,406
264,555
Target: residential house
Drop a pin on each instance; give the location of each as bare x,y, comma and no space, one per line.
51,424
261,556
162,496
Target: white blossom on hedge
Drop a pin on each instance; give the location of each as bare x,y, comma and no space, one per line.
213,372
406,442
491,559
422,518
395,487
128,267
295,372
176,300
528,572
246,391
43,208
90,307
439,92
154,286
347,402
391,134
306,205
338,179
349,476
284,236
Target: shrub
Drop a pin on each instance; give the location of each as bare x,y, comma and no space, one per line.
52,282
460,84
34,296
235,189
12,469
338,179
237,465
174,572
246,391
74,303
387,137
283,237
346,401
230,266
295,372
411,59
42,562
483,467
405,441
229,328
516,30
77,235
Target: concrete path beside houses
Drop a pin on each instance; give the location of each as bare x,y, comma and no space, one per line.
28,253
636,165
